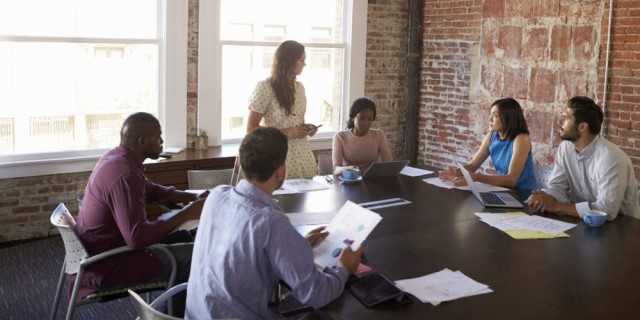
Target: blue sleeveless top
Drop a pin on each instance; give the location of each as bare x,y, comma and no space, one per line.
500,152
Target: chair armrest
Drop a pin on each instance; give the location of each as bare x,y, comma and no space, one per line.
165,296
115,251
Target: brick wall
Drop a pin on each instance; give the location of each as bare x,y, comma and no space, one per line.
623,98
386,66
26,203
540,52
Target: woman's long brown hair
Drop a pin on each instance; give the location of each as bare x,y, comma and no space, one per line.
282,73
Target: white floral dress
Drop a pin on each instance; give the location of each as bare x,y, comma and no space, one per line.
300,160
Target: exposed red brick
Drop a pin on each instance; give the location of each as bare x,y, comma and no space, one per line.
26,209
4,203
582,38
535,43
560,42
542,85
572,83
492,78
515,82
488,40
493,8
510,40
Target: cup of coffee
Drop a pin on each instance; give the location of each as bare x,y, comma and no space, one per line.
350,174
594,218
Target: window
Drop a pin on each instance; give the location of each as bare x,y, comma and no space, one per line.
72,70
238,39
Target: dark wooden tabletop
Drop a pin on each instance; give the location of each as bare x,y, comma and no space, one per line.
594,274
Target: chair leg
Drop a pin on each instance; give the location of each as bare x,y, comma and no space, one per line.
74,293
56,299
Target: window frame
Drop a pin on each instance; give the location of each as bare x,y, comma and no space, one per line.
172,95
210,62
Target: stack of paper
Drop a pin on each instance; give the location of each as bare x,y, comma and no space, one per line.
480,187
299,186
445,285
519,225
414,172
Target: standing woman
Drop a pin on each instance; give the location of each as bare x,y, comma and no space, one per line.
280,100
509,147
359,146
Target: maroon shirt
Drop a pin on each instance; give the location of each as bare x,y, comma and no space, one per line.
112,215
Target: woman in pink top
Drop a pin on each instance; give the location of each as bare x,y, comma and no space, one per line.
359,146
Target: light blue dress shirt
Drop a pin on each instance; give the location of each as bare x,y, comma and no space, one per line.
600,177
244,245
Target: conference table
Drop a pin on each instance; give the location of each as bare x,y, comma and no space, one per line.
593,274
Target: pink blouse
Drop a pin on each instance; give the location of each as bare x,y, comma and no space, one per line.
351,150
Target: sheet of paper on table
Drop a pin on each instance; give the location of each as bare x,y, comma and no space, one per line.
441,286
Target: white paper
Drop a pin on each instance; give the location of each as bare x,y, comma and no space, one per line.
188,225
444,285
524,222
299,186
414,172
352,223
196,191
308,218
172,150
436,181
480,187
496,220
538,223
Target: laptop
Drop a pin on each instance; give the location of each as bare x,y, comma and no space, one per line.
385,169
490,199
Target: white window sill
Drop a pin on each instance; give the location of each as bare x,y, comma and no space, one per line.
84,162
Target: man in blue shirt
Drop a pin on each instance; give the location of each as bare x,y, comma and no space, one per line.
245,244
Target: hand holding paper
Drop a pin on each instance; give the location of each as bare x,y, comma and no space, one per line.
353,224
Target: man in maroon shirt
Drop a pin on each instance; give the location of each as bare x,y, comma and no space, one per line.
113,212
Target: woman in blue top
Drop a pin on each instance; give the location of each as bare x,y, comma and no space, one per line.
508,145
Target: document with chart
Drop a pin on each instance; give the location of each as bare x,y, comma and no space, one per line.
350,227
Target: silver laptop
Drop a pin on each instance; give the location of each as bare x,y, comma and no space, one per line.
385,169
490,199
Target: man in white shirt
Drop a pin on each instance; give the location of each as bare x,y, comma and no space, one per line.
590,173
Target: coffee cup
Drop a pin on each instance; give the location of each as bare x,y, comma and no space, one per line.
594,218
350,174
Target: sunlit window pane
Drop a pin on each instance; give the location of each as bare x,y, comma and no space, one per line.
274,20
70,96
80,18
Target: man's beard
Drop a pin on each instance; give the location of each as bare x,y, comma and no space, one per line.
572,135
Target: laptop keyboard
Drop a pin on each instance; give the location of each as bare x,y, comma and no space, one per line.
491,198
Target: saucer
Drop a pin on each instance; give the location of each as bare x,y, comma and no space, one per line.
344,180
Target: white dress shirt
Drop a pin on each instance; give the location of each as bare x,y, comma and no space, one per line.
600,177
